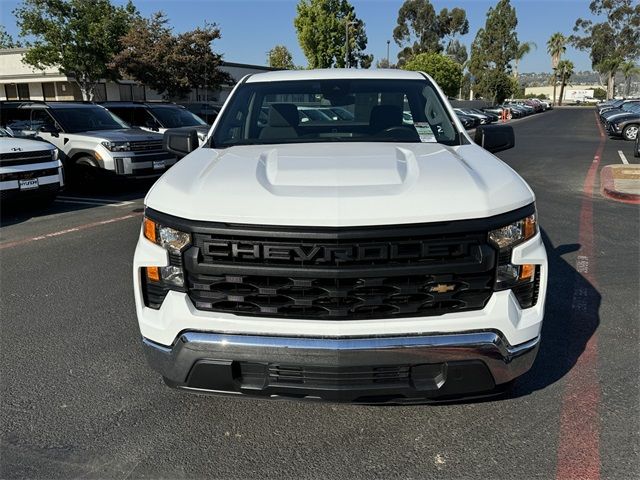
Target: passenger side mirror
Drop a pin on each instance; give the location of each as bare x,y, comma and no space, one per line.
180,141
495,138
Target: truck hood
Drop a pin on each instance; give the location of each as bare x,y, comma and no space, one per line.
122,135
339,184
16,145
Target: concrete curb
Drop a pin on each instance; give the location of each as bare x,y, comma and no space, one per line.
608,189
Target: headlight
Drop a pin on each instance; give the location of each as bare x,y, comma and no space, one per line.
517,232
522,279
174,241
117,146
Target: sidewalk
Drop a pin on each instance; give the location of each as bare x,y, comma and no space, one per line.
621,182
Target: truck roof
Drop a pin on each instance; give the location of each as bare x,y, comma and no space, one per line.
334,74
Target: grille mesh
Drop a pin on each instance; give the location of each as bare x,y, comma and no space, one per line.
393,273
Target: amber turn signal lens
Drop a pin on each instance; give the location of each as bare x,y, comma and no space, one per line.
526,271
153,274
149,230
529,226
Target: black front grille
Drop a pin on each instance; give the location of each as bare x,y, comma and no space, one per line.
341,298
25,158
340,274
146,145
5,177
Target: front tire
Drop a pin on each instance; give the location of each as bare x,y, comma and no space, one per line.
630,132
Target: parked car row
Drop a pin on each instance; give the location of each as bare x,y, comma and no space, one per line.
621,118
119,138
473,117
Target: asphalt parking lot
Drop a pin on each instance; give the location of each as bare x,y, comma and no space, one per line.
78,399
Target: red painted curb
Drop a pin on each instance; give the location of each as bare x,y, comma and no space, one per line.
607,188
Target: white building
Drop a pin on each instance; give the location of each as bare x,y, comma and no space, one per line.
19,81
571,92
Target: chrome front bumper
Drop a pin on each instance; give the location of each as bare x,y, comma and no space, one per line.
349,369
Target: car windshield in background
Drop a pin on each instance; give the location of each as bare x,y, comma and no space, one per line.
171,117
319,111
84,119
4,133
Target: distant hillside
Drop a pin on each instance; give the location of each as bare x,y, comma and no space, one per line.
544,79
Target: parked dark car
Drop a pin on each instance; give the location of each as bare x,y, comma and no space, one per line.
630,106
626,127
205,110
468,122
157,116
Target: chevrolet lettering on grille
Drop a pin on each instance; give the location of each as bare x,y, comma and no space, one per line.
415,250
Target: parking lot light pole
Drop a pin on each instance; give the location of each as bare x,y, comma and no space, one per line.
388,43
346,46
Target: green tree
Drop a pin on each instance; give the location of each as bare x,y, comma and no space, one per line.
420,30
457,51
280,57
171,64
599,93
493,50
6,40
77,36
322,27
629,70
563,71
524,48
556,46
446,72
612,41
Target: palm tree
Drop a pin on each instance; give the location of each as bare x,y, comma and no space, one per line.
556,46
563,71
610,66
628,69
523,49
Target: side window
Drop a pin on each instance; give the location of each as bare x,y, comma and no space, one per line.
40,118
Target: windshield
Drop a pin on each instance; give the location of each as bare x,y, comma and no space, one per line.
84,119
172,117
335,111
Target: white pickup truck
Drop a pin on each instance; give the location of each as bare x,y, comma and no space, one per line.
29,169
360,259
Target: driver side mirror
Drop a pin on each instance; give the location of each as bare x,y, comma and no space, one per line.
495,138
49,129
180,141
152,124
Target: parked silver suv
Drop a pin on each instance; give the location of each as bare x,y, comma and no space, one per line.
89,136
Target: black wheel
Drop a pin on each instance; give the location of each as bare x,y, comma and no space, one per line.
84,170
630,132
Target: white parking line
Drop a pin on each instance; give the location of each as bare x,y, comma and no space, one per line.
93,201
623,158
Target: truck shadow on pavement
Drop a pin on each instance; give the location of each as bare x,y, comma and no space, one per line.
571,318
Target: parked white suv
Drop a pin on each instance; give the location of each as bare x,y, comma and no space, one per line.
89,137
365,260
29,169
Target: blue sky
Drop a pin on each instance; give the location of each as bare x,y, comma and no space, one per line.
251,27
